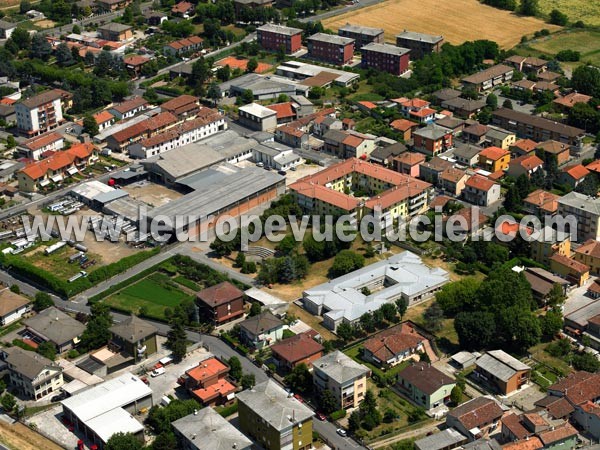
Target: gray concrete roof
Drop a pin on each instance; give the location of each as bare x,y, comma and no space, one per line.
581,201
413,35
274,405
387,49
206,429
445,439
330,38
262,322
501,364
55,325
133,329
367,31
113,26
257,110
340,367
28,364
431,131
288,31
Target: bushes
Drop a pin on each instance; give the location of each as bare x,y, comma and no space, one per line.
568,56
337,415
229,410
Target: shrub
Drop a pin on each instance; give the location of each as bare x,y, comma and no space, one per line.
337,415
568,56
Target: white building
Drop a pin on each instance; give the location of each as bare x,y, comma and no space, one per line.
12,306
34,147
31,374
40,113
257,117
404,275
275,155
586,211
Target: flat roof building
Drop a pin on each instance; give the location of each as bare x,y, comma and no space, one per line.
362,35
419,44
276,37
336,50
385,57
257,117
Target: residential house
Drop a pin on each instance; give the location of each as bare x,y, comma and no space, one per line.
524,165
303,107
425,385
594,167
453,181
395,345
331,49
324,123
12,306
221,303
261,330
112,5
546,86
536,128
385,57
550,242
527,64
522,147
385,155
494,159
586,211
542,283
588,253
274,38
475,417
184,46
251,4
275,419
207,429
570,269
300,349
291,136
445,94
556,407
404,127
481,191
40,113
549,76
409,163
541,203
432,140
523,85
207,382
257,117
419,44
416,109
104,119
183,9
134,64
147,128
285,112
6,29
566,102
467,154
155,18
431,170
53,325
44,144
464,108
135,337
475,133
362,35
343,377
498,137
501,372
444,440
32,375
185,107
573,175
116,32
129,108
488,78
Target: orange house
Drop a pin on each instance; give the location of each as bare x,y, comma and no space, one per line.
208,384
494,159
296,350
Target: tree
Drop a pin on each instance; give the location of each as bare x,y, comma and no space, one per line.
223,73
252,65
90,125
15,288
345,331
40,47
558,18
177,340
24,6
526,331
123,441
492,101
367,322
551,324
556,296
529,7
299,379
346,261
585,79
389,312
21,38
255,309
456,395
47,349
287,244
247,97
584,361
475,330
97,330
10,141
401,306
42,301
327,402
454,296
235,368
248,381
354,421
8,402
160,418
64,57
507,104
379,318
76,29
433,317
164,441
89,59
214,93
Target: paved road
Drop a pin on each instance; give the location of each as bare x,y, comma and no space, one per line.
337,12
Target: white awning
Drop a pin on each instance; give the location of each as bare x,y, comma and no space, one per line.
56,178
45,182
72,171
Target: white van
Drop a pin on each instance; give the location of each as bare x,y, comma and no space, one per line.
157,372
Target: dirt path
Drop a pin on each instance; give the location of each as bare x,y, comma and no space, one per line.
20,437
406,435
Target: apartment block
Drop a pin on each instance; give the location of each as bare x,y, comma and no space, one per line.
419,44
275,37
385,57
343,377
586,211
362,35
331,49
40,113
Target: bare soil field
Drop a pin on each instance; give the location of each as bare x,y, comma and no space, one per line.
18,436
151,193
45,23
458,20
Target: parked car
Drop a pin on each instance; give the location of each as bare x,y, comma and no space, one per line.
321,416
341,432
282,172
299,398
59,397
157,372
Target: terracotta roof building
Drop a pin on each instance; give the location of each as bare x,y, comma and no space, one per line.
425,385
395,345
221,303
295,350
207,382
570,269
474,417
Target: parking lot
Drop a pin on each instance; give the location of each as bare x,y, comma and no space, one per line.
151,193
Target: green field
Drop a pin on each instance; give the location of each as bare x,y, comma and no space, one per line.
587,11
586,42
154,293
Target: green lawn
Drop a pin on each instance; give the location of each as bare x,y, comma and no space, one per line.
155,293
586,42
586,10
56,262
355,353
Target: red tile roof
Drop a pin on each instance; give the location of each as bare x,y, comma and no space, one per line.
579,387
480,183
527,162
130,105
367,104
288,129
403,124
476,412
135,60
544,200
572,99
590,247
559,433
413,103
513,423
570,263
494,153
533,443
207,369
222,388
283,110
422,112
181,7
390,343
594,166
219,294
297,348
102,117
42,140
352,141
577,172
526,145
187,42
411,159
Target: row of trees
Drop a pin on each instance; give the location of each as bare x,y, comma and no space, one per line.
370,321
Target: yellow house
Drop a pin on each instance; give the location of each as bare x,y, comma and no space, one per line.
570,269
500,138
550,242
589,254
494,159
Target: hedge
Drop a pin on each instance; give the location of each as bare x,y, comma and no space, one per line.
337,415
229,410
236,346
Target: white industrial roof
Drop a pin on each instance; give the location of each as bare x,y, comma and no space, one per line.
91,189
263,297
257,110
112,422
107,396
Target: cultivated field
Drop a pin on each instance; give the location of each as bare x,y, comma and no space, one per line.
587,11
458,20
586,42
